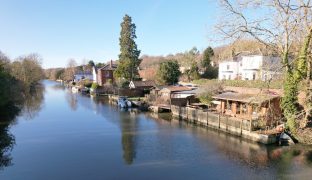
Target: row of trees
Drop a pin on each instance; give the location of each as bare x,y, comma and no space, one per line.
67,73
19,79
129,60
285,27
169,71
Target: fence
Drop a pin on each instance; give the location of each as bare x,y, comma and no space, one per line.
213,119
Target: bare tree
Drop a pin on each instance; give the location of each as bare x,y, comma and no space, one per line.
70,69
28,69
285,26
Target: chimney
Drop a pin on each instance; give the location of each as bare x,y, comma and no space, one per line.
111,64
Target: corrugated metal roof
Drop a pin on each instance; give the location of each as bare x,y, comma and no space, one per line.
176,88
246,98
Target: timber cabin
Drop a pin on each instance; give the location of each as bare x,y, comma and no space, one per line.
177,95
264,107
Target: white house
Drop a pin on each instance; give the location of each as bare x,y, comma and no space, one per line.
82,75
86,75
94,70
229,70
252,67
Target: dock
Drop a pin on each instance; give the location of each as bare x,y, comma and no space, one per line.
160,108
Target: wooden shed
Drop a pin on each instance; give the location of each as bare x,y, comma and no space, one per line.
262,106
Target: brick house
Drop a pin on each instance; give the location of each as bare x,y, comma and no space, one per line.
106,73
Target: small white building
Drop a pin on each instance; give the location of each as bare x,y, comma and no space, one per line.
252,67
94,70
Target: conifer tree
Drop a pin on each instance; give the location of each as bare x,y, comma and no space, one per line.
129,54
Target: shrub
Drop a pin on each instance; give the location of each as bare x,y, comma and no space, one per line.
94,86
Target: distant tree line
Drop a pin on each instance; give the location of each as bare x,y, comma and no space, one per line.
18,80
190,65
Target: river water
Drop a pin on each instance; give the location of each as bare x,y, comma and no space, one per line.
61,135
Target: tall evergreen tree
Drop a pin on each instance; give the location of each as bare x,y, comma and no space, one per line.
208,53
129,54
209,71
168,72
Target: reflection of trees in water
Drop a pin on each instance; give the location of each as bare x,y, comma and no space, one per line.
127,122
58,86
7,142
128,127
243,152
30,104
72,100
33,102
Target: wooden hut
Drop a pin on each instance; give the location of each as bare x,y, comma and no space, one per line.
264,107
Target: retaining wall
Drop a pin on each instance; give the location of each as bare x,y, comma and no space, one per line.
240,127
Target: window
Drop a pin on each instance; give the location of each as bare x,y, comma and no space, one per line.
107,74
253,76
224,77
229,76
227,67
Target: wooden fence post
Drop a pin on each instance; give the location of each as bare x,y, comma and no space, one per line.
219,120
196,114
207,118
186,113
241,127
226,123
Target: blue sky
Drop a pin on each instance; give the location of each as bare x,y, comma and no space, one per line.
89,29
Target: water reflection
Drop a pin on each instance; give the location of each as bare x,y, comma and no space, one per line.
128,126
244,152
7,141
72,100
280,161
269,159
31,104
99,138
126,120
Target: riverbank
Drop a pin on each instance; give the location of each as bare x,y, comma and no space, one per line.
93,139
243,128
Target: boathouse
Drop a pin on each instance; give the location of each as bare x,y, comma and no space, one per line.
264,107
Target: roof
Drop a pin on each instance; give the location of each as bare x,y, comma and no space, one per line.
148,83
176,88
109,66
246,98
190,91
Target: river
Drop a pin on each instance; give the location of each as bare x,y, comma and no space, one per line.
61,135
